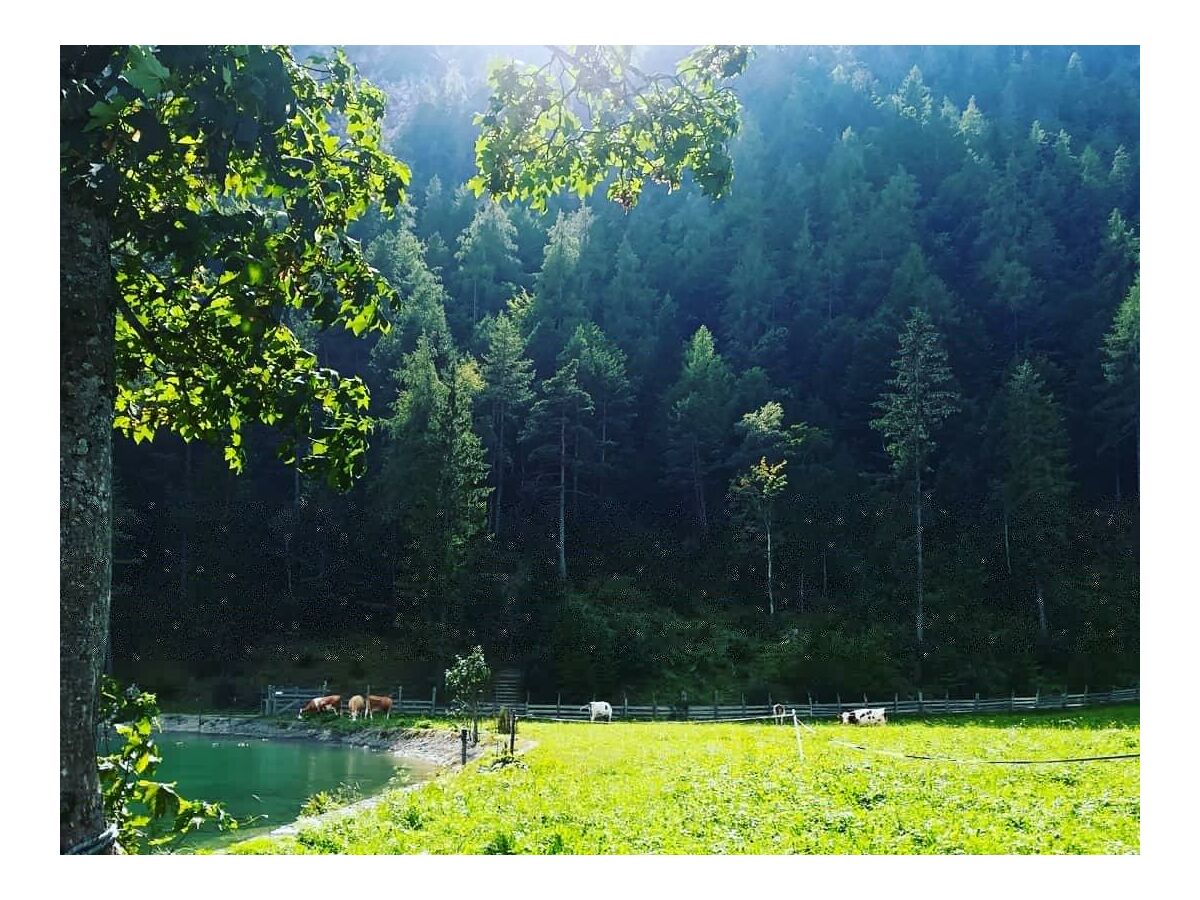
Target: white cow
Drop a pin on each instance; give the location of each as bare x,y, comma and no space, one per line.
778,712
876,716
599,710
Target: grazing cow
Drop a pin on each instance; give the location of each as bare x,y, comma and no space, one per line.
599,710
876,716
322,704
778,712
379,704
357,705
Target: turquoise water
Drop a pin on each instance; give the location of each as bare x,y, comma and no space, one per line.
270,778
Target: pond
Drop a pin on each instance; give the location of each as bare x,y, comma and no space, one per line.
270,778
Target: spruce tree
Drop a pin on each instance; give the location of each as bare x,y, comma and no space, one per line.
603,376
699,418
1036,484
921,399
507,374
559,411
488,265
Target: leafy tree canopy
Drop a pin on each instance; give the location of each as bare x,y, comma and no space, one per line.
592,110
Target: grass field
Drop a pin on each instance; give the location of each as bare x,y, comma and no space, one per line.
744,788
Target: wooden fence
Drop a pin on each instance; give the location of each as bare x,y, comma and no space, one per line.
281,700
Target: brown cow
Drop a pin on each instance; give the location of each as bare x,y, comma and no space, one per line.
356,706
379,704
322,704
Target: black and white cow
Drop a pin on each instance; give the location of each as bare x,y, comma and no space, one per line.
876,716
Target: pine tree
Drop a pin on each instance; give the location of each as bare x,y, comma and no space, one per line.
699,418
920,401
434,474
1036,485
559,303
752,315
419,308
507,374
488,266
603,376
1121,365
559,411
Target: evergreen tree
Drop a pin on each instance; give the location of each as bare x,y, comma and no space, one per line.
1036,484
488,266
507,375
418,309
559,411
920,401
602,375
698,419
1121,365
559,303
753,316
435,466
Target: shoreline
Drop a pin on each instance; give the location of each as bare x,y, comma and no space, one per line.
440,746
435,750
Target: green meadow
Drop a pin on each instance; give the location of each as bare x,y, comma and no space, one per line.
690,788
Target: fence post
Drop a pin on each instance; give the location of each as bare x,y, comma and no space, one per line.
368,698
625,709
433,702
1012,699
654,707
400,699
270,700
1085,693
512,737
865,701
920,702
810,706
1064,699
558,706
839,703
463,736
896,704
683,700
716,714
1037,699
977,701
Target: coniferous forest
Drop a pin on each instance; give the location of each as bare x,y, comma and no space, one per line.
867,423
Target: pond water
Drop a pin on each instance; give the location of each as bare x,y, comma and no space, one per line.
271,778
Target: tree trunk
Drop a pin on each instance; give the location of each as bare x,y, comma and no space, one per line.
575,473
86,391
185,539
562,499
1007,556
770,587
920,570
499,469
1041,609
603,447
1117,469
698,485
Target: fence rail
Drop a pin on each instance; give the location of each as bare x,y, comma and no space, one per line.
280,700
